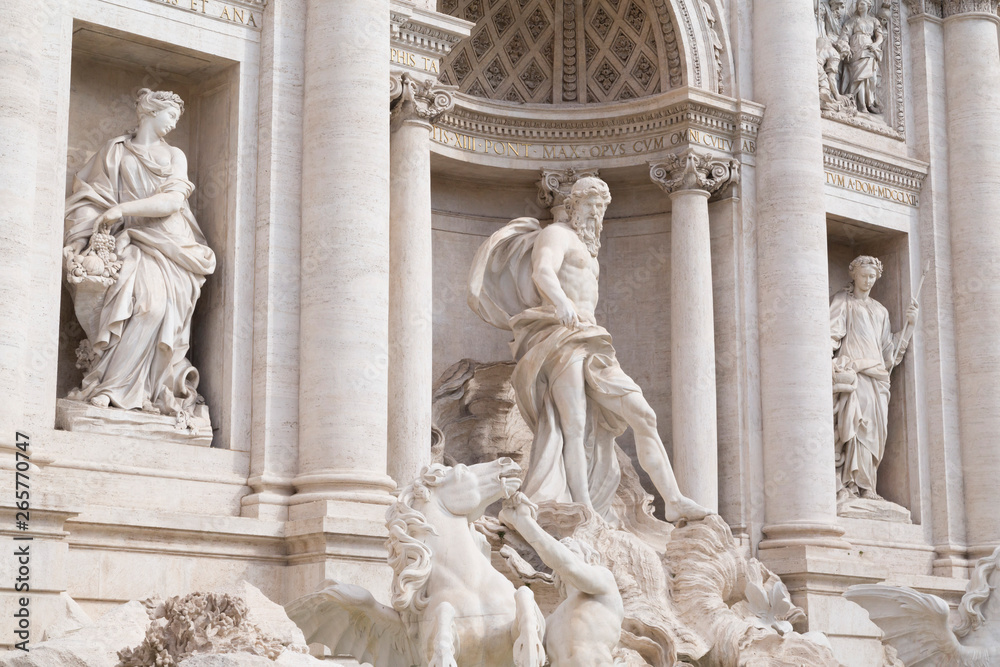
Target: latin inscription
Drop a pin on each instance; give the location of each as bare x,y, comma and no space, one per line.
872,189
217,10
413,61
588,151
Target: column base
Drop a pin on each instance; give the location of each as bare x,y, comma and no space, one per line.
803,534
339,540
351,486
269,500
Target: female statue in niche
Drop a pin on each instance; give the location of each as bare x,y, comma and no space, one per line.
864,35
865,352
136,260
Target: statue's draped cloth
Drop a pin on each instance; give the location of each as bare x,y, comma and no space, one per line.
144,327
502,292
865,344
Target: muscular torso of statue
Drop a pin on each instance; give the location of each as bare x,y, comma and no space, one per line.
577,271
584,629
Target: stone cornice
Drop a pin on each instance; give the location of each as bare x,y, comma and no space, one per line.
537,136
425,32
470,115
873,169
691,170
415,99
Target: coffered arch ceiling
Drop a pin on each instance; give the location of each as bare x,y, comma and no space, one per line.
584,51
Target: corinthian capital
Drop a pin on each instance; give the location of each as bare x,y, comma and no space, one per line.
924,8
555,186
690,170
417,99
956,7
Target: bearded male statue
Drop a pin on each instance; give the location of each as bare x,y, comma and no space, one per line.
541,284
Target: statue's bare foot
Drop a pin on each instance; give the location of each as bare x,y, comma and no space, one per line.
868,494
147,406
684,508
101,400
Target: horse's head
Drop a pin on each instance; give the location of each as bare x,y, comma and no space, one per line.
979,610
468,490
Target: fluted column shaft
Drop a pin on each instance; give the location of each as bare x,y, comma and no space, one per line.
793,285
972,79
417,105
345,254
690,178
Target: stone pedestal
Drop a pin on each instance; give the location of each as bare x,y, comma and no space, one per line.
81,416
972,78
793,286
417,104
690,179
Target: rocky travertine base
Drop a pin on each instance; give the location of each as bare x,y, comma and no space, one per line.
234,627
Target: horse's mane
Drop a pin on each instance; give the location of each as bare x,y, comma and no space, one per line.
970,608
409,557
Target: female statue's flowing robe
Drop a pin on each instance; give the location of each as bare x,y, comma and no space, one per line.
862,32
865,344
144,327
502,292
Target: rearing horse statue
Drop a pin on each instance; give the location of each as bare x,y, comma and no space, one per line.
450,606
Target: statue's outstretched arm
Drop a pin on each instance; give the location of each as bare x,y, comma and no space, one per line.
570,567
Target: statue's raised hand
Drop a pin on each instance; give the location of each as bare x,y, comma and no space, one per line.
912,312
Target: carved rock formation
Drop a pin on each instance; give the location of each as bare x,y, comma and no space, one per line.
234,627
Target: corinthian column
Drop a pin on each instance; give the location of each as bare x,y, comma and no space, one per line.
793,285
416,106
690,178
972,79
345,260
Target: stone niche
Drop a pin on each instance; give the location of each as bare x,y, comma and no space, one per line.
108,67
471,201
898,480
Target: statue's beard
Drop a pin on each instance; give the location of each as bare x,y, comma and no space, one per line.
590,234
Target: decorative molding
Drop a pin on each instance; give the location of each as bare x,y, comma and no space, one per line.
872,169
957,7
691,170
415,99
692,40
925,8
670,43
717,46
570,68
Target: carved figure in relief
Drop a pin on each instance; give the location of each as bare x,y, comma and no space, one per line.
449,605
542,284
864,34
865,352
831,49
584,629
136,260
917,624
